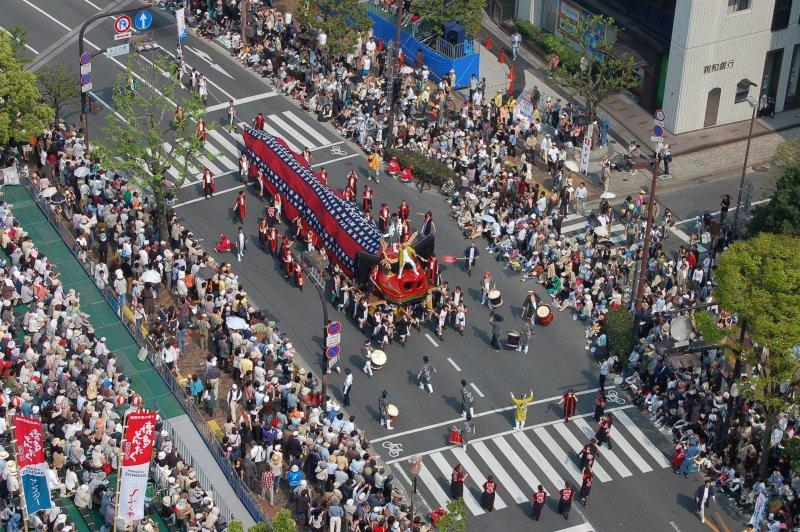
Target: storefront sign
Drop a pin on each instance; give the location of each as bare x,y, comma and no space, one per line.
570,18
718,66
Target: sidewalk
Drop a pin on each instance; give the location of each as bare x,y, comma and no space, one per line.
707,152
638,122
143,377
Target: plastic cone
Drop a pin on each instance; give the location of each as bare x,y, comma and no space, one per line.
488,43
502,58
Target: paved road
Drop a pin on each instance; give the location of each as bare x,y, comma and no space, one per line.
638,491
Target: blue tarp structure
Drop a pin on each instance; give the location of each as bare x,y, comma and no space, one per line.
438,64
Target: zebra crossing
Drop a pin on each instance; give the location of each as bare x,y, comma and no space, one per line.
577,225
222,148
544,454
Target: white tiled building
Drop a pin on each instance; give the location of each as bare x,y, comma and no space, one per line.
717,49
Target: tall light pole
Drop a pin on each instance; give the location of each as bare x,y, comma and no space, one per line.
243,17
647,232
754,104
395,70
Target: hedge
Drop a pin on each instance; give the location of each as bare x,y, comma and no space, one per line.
435,172
550,44
619,332
706,325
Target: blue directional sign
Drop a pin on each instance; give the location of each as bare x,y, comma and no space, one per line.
143,20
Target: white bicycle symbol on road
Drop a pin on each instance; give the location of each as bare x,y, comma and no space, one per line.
394,449
336,150
614,397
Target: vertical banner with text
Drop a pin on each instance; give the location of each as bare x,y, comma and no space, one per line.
586,151
137,450
31,463
180,18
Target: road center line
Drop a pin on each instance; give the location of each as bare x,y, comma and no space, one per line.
247,99
695,218
479,414
26,45
480,393
493,436
428,336
48,15
201,198
452,362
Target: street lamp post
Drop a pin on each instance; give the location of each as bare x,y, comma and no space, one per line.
647,233
395,70
243,18
754,104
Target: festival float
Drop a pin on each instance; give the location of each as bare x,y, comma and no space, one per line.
348,237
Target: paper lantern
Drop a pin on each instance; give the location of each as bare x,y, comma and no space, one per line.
120,400
136,400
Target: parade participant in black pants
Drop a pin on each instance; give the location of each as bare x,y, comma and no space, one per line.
565,500
586,487
538,499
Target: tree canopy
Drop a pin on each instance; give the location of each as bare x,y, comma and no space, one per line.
759,280
341,20
59,86
143,136
600,72
781,214
435,13
22,113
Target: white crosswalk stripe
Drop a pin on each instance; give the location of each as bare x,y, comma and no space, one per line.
222,148
517,460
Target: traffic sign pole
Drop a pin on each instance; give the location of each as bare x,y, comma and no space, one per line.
82,52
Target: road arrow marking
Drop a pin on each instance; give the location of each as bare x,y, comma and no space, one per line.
202,54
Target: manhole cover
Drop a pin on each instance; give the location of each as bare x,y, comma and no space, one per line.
760,168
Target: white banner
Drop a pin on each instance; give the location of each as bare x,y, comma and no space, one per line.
180,17
587,149
132,488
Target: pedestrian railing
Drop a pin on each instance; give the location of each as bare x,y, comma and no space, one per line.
126,315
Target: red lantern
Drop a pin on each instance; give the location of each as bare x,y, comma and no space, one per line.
136,400
120,400
16,401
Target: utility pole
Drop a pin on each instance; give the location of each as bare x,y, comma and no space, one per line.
244,21
84,115
647,233
395,77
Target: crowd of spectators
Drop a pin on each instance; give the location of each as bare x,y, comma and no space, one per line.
57,368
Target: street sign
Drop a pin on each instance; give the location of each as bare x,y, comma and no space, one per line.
86,82
122,36
334,327
87,68
660,115
123,24
659,123
142,20
333,351
86,58
333,339
657,139
120,49
658,131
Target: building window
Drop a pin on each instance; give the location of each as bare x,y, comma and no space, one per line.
742,90
793,88
780,16
738,5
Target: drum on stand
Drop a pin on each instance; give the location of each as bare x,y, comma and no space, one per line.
378,359
392,412
513,340
543,315
495,299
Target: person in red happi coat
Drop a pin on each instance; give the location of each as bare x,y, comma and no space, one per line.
570,401
240,207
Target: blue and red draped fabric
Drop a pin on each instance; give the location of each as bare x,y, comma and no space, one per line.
342,228
31,463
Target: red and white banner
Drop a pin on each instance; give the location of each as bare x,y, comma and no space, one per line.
140,433
31,462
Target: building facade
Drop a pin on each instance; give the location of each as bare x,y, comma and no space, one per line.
700,59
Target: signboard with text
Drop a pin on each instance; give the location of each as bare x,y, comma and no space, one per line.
570,17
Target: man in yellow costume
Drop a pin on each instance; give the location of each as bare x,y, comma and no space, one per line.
521,408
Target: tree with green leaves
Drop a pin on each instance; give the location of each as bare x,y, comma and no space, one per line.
341,20
59,86
19,38
781,214
455,517
283,522
759,280
143,136
435,13
600,72
22,114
